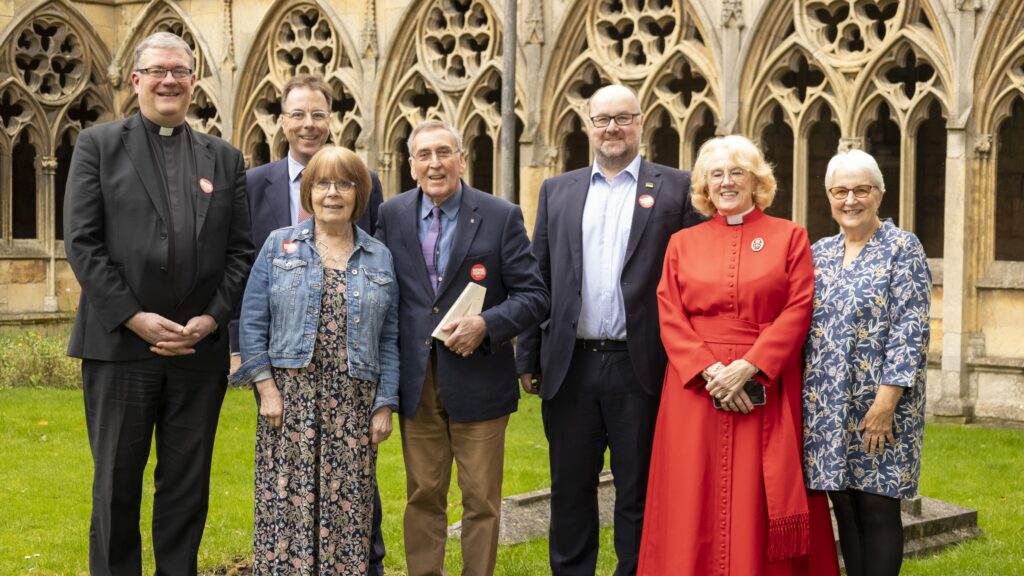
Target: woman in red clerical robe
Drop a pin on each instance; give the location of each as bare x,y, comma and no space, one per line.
726,491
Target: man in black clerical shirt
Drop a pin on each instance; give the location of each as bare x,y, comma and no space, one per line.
156,229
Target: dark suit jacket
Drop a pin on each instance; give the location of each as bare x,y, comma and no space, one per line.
270,208
116,240
491,234
558,244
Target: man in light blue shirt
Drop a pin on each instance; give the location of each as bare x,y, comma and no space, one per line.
600,239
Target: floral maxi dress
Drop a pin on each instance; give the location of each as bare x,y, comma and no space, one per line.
315,476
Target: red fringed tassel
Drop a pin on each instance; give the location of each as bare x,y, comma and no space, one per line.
788,537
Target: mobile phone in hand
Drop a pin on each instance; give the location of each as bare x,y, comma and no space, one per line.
755,391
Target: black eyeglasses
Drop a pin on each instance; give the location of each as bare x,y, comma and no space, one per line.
840,193
159,72
603,121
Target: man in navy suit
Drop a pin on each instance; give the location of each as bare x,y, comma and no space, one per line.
274,203
455,396
600,238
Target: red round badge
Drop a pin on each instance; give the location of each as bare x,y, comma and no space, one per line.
205,185
289,247
646,201
478,272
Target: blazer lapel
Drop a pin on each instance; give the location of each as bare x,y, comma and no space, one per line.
465,231
137,145
409,227
648,183
204,169
577,199
277,194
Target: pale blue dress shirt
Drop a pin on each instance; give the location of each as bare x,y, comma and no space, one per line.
449,218
607,219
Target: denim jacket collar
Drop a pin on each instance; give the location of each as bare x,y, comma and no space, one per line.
304,233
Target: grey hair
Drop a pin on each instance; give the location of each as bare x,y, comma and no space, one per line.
429,125
166,41
611,87
855,161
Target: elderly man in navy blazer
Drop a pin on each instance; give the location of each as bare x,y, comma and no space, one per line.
455,396
274,203
600,238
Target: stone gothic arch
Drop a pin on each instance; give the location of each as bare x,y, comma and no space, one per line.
166,16
877,64
294,38
448,69
659,49
55,68
999,126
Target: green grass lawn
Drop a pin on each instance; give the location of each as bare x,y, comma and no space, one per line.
46,475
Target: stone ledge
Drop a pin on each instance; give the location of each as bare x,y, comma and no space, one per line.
929,525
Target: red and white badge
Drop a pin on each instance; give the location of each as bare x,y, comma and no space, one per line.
478,272
757,245
645,200
289,247
205,185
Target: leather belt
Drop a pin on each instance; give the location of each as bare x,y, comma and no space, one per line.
602,345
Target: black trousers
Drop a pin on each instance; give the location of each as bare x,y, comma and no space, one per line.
599,405
125,402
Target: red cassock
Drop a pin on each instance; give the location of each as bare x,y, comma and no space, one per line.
726,492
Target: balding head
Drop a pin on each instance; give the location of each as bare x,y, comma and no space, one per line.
613,91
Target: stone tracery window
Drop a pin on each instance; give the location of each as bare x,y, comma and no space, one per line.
853,73
52,85
632,36
458,37
48,55
450,70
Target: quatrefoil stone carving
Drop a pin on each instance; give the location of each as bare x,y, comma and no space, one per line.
49,58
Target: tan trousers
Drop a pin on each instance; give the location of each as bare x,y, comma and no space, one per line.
429,442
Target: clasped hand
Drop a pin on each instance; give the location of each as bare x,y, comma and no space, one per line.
167,337
726,384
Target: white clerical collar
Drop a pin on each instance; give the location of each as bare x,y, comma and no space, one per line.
737,219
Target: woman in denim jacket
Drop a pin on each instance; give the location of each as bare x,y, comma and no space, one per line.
319,340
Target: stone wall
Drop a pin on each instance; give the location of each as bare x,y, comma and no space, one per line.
933,88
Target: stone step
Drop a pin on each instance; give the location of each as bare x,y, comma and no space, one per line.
929,525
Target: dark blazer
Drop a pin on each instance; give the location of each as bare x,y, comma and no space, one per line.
116,240
558,244
270,209
490,234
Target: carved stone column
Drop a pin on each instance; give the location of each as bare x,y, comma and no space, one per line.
47,202
732,39
366,144
953,388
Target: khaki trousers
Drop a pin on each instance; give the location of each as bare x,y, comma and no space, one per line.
429,443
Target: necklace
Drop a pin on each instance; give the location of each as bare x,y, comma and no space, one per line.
336,256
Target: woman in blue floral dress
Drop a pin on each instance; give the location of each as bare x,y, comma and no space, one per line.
319,341
865,368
